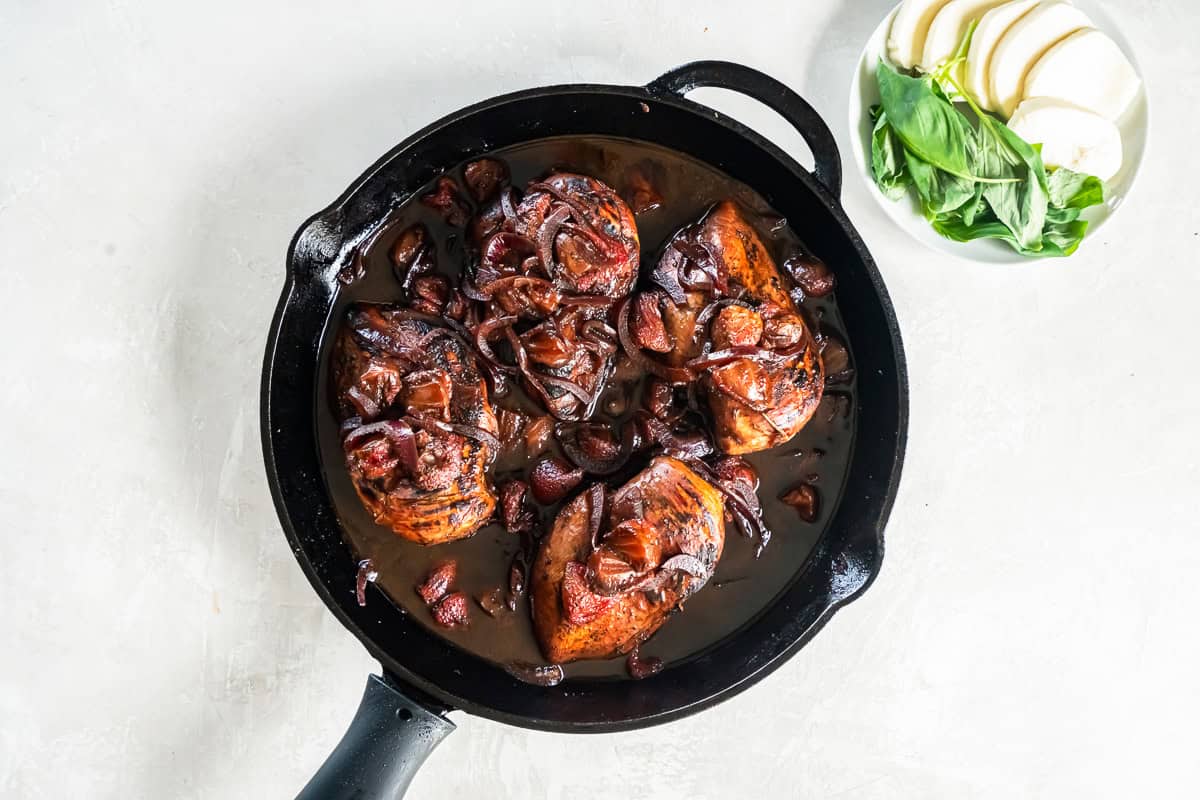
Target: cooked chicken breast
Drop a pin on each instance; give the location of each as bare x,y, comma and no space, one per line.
659,540
595,248
759,401
418,427
759,405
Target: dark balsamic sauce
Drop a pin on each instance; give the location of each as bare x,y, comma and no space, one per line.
743,586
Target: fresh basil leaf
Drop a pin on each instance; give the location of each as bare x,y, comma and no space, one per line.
887,159
1062,239
1057,216
1063,185
952,226
1021,205
972,209
939,190
929,126
1069,189
1058,240
940,93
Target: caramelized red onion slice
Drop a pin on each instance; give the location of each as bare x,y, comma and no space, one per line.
506,206
596,300
472,291
536,674
581,394
599,337
578,210
486,438
516,282
545,237
686,563
597,496
667,373
669,570
690,446
746,509
483,332
669,282
366,574
365,405
349,424
599,329
695,251
397,431
523,365
434,334
503,256
540,299
704,261
459,329
761,354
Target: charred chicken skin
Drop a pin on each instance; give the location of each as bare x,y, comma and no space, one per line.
586,235
612,569
557,259
569,235
728,317
418,431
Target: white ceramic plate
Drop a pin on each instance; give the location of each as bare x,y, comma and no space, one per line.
864,93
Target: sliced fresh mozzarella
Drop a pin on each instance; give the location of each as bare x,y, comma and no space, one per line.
948,28
991,28
1026,41
1086,69
906,39
1070,136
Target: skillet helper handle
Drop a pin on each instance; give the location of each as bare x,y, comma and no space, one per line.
386,743
771,93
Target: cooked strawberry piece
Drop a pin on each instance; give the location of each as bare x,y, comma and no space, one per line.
452,610
438,582
580,604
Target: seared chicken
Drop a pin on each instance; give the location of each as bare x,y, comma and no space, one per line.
763,376
605,579
418,430
594,242
560,259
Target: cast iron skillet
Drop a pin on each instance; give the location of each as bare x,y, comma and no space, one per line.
402,715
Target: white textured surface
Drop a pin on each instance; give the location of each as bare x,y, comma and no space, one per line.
1033,632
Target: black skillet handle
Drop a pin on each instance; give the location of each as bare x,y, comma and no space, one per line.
386,743
771,93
